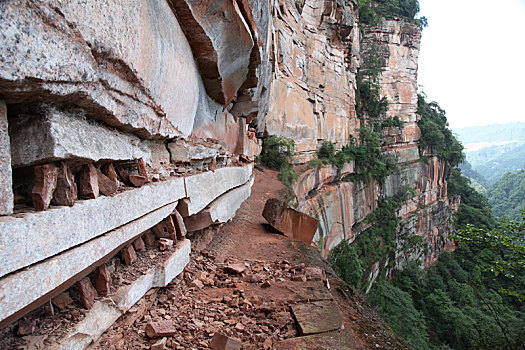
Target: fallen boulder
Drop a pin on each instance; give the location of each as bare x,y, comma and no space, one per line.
290,222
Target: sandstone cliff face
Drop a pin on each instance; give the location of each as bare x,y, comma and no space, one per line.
161,102
426,211
315,57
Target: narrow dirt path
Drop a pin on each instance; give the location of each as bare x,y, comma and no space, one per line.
259,289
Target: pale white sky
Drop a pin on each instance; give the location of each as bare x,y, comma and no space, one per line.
472,59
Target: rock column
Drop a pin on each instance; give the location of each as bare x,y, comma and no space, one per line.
6,185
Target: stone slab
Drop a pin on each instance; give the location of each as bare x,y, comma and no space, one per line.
31,237
23,288
58,135
290,222
6,187
221,209
317,317
203,188
105,312
126,69
337,340
183,152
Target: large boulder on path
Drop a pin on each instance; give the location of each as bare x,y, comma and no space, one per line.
289,221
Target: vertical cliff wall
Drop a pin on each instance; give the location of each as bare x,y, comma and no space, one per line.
127,124
419,179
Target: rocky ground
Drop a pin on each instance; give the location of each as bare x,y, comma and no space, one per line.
252,287
246,286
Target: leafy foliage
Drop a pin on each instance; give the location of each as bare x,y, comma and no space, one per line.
346,263
277,153
370,11
508,239
378,241
436,137
507,195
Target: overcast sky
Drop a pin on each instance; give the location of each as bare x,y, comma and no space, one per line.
472,59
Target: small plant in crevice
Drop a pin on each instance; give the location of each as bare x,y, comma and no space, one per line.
277,153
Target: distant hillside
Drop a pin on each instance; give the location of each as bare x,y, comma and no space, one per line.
511,161
507,195
494,150
492,133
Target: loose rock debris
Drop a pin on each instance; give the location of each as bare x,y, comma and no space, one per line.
219,305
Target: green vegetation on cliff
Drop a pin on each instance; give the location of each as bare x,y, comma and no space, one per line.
470,299
370,11
277,153
436,137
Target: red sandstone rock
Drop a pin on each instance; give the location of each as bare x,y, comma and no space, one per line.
159,345
129,255
149,239
45,183
170,228
62,301
87,293
49,309
139,245
88,182
25,328
222,342
235,269
179,225
102,280
123,174
220,42
213,164
106,186
141,167
159,230
266,284
66,190
197,284
160,329
244,159
19,199
109,170
290,222
137,180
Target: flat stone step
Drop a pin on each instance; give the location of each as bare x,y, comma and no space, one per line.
317,317
337,340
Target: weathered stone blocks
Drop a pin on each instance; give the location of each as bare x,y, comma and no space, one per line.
25,287
203,188
56,134
32,237
221,209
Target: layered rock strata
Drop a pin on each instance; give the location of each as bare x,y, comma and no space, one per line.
130,104
316,57
150,112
